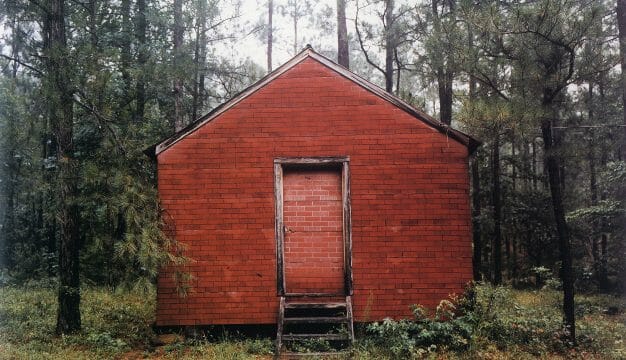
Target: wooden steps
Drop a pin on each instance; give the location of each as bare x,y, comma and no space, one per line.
316,305
316,336
315,320
303,318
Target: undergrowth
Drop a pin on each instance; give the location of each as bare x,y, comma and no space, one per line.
494,323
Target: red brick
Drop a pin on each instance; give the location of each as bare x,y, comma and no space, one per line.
411,226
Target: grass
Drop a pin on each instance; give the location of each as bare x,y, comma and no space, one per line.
117,325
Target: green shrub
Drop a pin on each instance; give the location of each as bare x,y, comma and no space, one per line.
425,334
395,336
487,317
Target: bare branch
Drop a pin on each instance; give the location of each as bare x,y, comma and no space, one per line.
102,120
30,67
486,80
37,4
219,23
359,37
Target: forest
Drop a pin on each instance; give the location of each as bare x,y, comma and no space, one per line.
87,85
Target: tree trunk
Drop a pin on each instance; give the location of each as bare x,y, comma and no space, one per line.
48,150
270,33
179,122
61,112
534,164
399,68
444,87
526,166
554,179
389,45
511,239
603,275
621,22
514,248
125,52
10,172
593,191
476,211
475,170
295,27
445,75
497,211
141,26
199,60
343,52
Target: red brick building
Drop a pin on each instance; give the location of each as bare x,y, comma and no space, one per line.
314,180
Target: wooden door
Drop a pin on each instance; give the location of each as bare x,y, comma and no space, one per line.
313,231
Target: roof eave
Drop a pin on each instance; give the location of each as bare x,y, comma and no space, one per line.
171,140
471,143
465,139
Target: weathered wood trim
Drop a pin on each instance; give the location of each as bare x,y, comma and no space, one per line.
279,326
344,162
299,295
316,320
347,226
279,229
350,317
313,160
321,305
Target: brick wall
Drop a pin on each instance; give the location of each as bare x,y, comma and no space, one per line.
313,217
410,202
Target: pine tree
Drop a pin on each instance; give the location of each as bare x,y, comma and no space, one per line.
60,91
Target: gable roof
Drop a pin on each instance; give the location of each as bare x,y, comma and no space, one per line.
308,52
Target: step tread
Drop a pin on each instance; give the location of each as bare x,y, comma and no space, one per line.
313,295
316,305
316,336
316,319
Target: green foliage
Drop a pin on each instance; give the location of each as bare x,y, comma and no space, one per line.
105,343
615,173
531,320
259,346
494,322
508,324
310,345
117,114
425,334
606,208
528,323
112,322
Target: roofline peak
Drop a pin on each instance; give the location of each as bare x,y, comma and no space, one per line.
309,52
